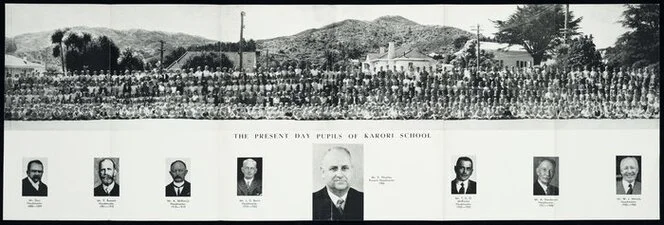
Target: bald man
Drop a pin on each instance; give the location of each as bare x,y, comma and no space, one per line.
337,200
628,185
179,187
249,184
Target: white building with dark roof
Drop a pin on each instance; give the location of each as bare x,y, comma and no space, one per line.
508,55
16,65
398,59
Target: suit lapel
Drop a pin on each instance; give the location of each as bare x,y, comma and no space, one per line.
243,186
186,189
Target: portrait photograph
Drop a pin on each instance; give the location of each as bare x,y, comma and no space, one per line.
628,175
177,179
545,176
34,177
249,176
338,182
107,177
464,181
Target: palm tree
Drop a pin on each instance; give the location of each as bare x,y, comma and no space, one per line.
58,51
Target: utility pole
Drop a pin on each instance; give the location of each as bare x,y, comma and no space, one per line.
267,58
566,22
161,52
62,58
242,14
478,46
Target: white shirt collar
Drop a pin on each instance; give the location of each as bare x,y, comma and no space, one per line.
178,184
248,181
109,187
626,185
465,185
336,198
34,184
544,186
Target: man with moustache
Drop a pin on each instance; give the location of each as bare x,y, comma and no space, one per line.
628,185
337,200
462,183
32,184
546,169
179,187
249,185
107,173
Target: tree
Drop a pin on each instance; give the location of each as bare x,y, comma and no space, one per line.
174,55
467,56
58,51
580,52
210,59
639,46
460,41
10,45
130,60
536,27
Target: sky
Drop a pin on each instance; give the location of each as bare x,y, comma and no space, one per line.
222,22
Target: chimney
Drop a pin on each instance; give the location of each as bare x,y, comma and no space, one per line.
390,50
382,50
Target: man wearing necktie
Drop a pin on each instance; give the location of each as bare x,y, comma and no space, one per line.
337,200
179,187
107,173
628,184
249,184
462,183
545,171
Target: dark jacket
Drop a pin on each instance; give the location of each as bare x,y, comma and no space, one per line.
538,190
471,189
29,190
256,187
99,191
186,190
324,209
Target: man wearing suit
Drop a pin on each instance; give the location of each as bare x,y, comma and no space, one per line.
179,187
462,184
32,184
628,185
107,173
337,200
249,185
546,169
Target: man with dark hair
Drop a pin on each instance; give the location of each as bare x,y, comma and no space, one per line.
545,170
32,184
107,172
462,183
337,200
179,187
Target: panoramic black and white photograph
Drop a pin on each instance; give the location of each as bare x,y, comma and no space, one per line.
337,62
